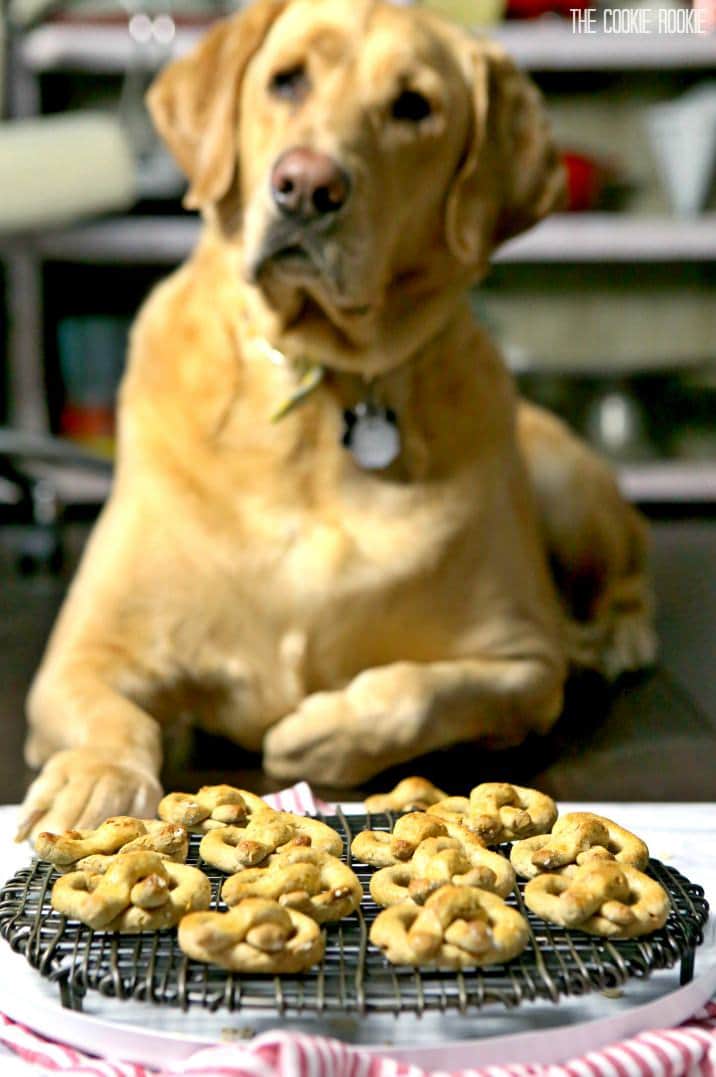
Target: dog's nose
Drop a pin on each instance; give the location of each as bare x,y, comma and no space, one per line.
307,185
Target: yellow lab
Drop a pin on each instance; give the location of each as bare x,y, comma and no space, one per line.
335,534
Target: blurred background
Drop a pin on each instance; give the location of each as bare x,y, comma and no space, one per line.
606,312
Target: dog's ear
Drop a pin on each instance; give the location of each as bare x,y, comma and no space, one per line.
511,174
194,101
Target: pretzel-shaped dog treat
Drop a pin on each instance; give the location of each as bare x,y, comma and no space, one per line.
189,890
601,898
168,840
458,927
121,833
256,936
313,832
382,850
232,848
140,891
578,838
212,807
412,794
300,878
440,862
498,811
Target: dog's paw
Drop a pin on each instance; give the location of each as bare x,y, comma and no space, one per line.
343,738
310,743
80,788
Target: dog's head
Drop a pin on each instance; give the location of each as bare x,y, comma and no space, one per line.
355,145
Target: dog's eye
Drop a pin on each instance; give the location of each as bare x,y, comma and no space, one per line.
411,106
292,84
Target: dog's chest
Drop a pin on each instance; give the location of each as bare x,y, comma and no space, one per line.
361,546
360,588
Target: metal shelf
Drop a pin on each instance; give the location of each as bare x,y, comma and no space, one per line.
124,240
669,482
539,45
550,45
564,238
606,237
107,50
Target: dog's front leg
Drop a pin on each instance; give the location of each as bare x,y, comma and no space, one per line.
101,753
393,713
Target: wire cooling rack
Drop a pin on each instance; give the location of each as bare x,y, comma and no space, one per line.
354,977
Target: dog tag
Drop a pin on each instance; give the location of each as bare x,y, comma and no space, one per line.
371,435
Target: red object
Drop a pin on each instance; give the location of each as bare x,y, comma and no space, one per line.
586,180
532,9
86,421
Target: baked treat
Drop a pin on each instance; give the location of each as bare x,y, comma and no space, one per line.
439,862
577,838
89,850
140,891
498,811
601,898
412,794
256,936
212,807
231,848
381,849
300,878
458,927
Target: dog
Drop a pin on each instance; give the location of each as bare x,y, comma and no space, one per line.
335,533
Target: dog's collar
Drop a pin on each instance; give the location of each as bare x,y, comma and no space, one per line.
370,431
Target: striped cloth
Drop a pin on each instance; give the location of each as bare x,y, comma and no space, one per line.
686,1051
297,798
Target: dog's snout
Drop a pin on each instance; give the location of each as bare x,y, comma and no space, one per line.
307,185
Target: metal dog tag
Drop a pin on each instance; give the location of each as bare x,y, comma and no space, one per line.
371,435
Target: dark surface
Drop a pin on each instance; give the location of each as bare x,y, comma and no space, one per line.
644,739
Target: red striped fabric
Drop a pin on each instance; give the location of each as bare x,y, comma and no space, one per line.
298,799
688,1051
